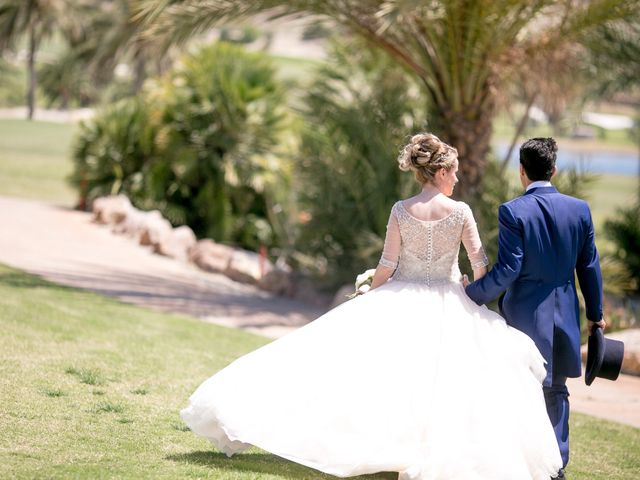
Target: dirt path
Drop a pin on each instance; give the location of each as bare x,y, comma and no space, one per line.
64,246
618,401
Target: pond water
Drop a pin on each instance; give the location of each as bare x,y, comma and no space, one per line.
619,163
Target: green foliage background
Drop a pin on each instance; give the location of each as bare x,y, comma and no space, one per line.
358,114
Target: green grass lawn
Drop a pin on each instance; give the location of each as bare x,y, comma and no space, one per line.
608,193
91,388
35,160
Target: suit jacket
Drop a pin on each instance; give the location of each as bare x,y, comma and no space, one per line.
544,238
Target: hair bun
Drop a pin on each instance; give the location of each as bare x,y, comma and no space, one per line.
425,154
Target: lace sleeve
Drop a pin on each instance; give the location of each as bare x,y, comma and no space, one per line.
391,251
471,241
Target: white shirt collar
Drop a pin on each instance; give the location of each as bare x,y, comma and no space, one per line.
539,183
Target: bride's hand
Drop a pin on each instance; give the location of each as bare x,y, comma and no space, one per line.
465,281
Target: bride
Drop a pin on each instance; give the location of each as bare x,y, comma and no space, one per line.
412,377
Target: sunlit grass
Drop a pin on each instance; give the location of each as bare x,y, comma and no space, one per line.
91,388
35,160
57,342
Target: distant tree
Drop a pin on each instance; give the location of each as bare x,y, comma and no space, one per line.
37,20
84,71
615,63
12,91
77,73
615,55
615,67
461,51
116,39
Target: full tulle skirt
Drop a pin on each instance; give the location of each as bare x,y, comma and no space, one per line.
406,378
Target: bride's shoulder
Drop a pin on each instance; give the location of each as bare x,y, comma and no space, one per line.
396,207
462,205
457,205
465,210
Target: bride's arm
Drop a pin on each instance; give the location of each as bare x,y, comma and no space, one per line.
478,273
473,246
382,275
390,253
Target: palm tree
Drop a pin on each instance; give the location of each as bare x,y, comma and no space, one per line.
462,51
37,19
118,40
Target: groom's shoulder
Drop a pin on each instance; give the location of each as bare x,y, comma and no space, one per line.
523,202
514,203
571,202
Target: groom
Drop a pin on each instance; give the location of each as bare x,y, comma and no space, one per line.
544,237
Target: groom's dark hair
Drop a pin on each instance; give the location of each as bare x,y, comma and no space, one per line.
538,158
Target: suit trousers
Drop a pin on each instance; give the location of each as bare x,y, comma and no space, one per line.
557,399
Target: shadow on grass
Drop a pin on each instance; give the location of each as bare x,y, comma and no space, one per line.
22,280
208,295
263,463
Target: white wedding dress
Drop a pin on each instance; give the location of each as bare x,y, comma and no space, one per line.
412,377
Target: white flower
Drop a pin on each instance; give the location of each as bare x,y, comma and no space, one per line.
363,283
365,278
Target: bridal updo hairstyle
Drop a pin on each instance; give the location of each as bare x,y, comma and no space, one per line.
425,155
538,158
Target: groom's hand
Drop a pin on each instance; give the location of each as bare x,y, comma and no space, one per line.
591,325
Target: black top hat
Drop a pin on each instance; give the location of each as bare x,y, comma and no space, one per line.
604,357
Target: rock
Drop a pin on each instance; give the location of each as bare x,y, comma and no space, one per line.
211,256
247,267
154,229
176,243
305,290
132,217
135,222
631,339
341,295
277,281
111,210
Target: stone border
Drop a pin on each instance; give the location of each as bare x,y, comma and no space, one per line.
150,228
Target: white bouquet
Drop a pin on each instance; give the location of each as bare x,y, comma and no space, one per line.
363,282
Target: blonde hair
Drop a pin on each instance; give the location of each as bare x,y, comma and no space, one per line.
425,155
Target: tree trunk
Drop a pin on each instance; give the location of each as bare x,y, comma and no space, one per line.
139,75
31,85
522,124
66,99
469,131
638,140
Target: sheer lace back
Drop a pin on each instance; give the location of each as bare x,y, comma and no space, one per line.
426,251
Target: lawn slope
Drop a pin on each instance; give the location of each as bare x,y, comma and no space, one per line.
91,388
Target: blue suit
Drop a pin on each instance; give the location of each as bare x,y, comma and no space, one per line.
544,238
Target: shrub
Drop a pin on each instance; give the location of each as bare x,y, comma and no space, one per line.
111,152
196,145
624,231
358,112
